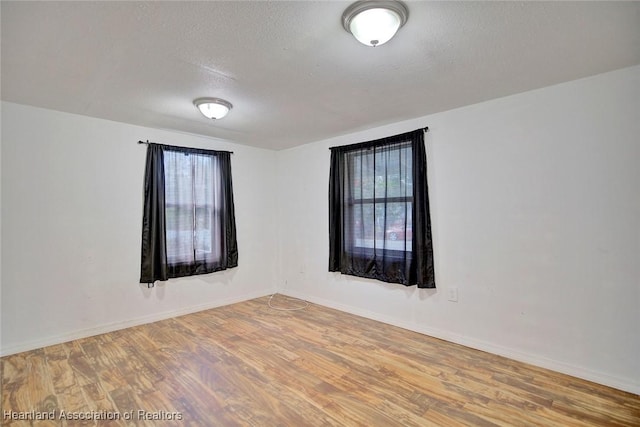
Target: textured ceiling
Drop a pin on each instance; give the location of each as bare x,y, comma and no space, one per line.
292,72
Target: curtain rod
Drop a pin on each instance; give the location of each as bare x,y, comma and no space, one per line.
147,142
426,129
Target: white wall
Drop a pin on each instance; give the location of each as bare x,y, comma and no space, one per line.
535,208
71,224
535,204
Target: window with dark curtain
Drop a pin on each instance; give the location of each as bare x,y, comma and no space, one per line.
379,224
189,219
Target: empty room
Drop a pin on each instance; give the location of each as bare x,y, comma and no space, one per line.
320,213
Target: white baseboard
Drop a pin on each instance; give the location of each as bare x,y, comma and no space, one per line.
532,359
115,326
543,362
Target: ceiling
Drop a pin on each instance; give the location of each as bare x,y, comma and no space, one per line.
293,74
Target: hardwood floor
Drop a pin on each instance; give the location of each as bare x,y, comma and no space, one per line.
249,365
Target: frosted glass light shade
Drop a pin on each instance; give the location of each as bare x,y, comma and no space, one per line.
213,108
375,27
374,23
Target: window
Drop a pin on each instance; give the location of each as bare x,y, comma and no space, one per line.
189,220
379,197
379,214
192,222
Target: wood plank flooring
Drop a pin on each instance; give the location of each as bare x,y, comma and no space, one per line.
249,365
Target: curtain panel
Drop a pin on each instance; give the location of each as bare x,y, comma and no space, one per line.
188,224
379,223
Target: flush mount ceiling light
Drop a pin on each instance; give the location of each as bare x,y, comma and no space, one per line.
374,22
213,108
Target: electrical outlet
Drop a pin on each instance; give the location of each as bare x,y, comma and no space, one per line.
453,294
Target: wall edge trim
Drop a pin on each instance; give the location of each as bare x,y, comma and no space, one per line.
510,353
116,326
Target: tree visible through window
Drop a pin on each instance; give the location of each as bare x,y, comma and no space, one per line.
379,200
379,225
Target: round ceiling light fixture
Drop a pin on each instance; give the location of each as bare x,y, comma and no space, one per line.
213,108
374,23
